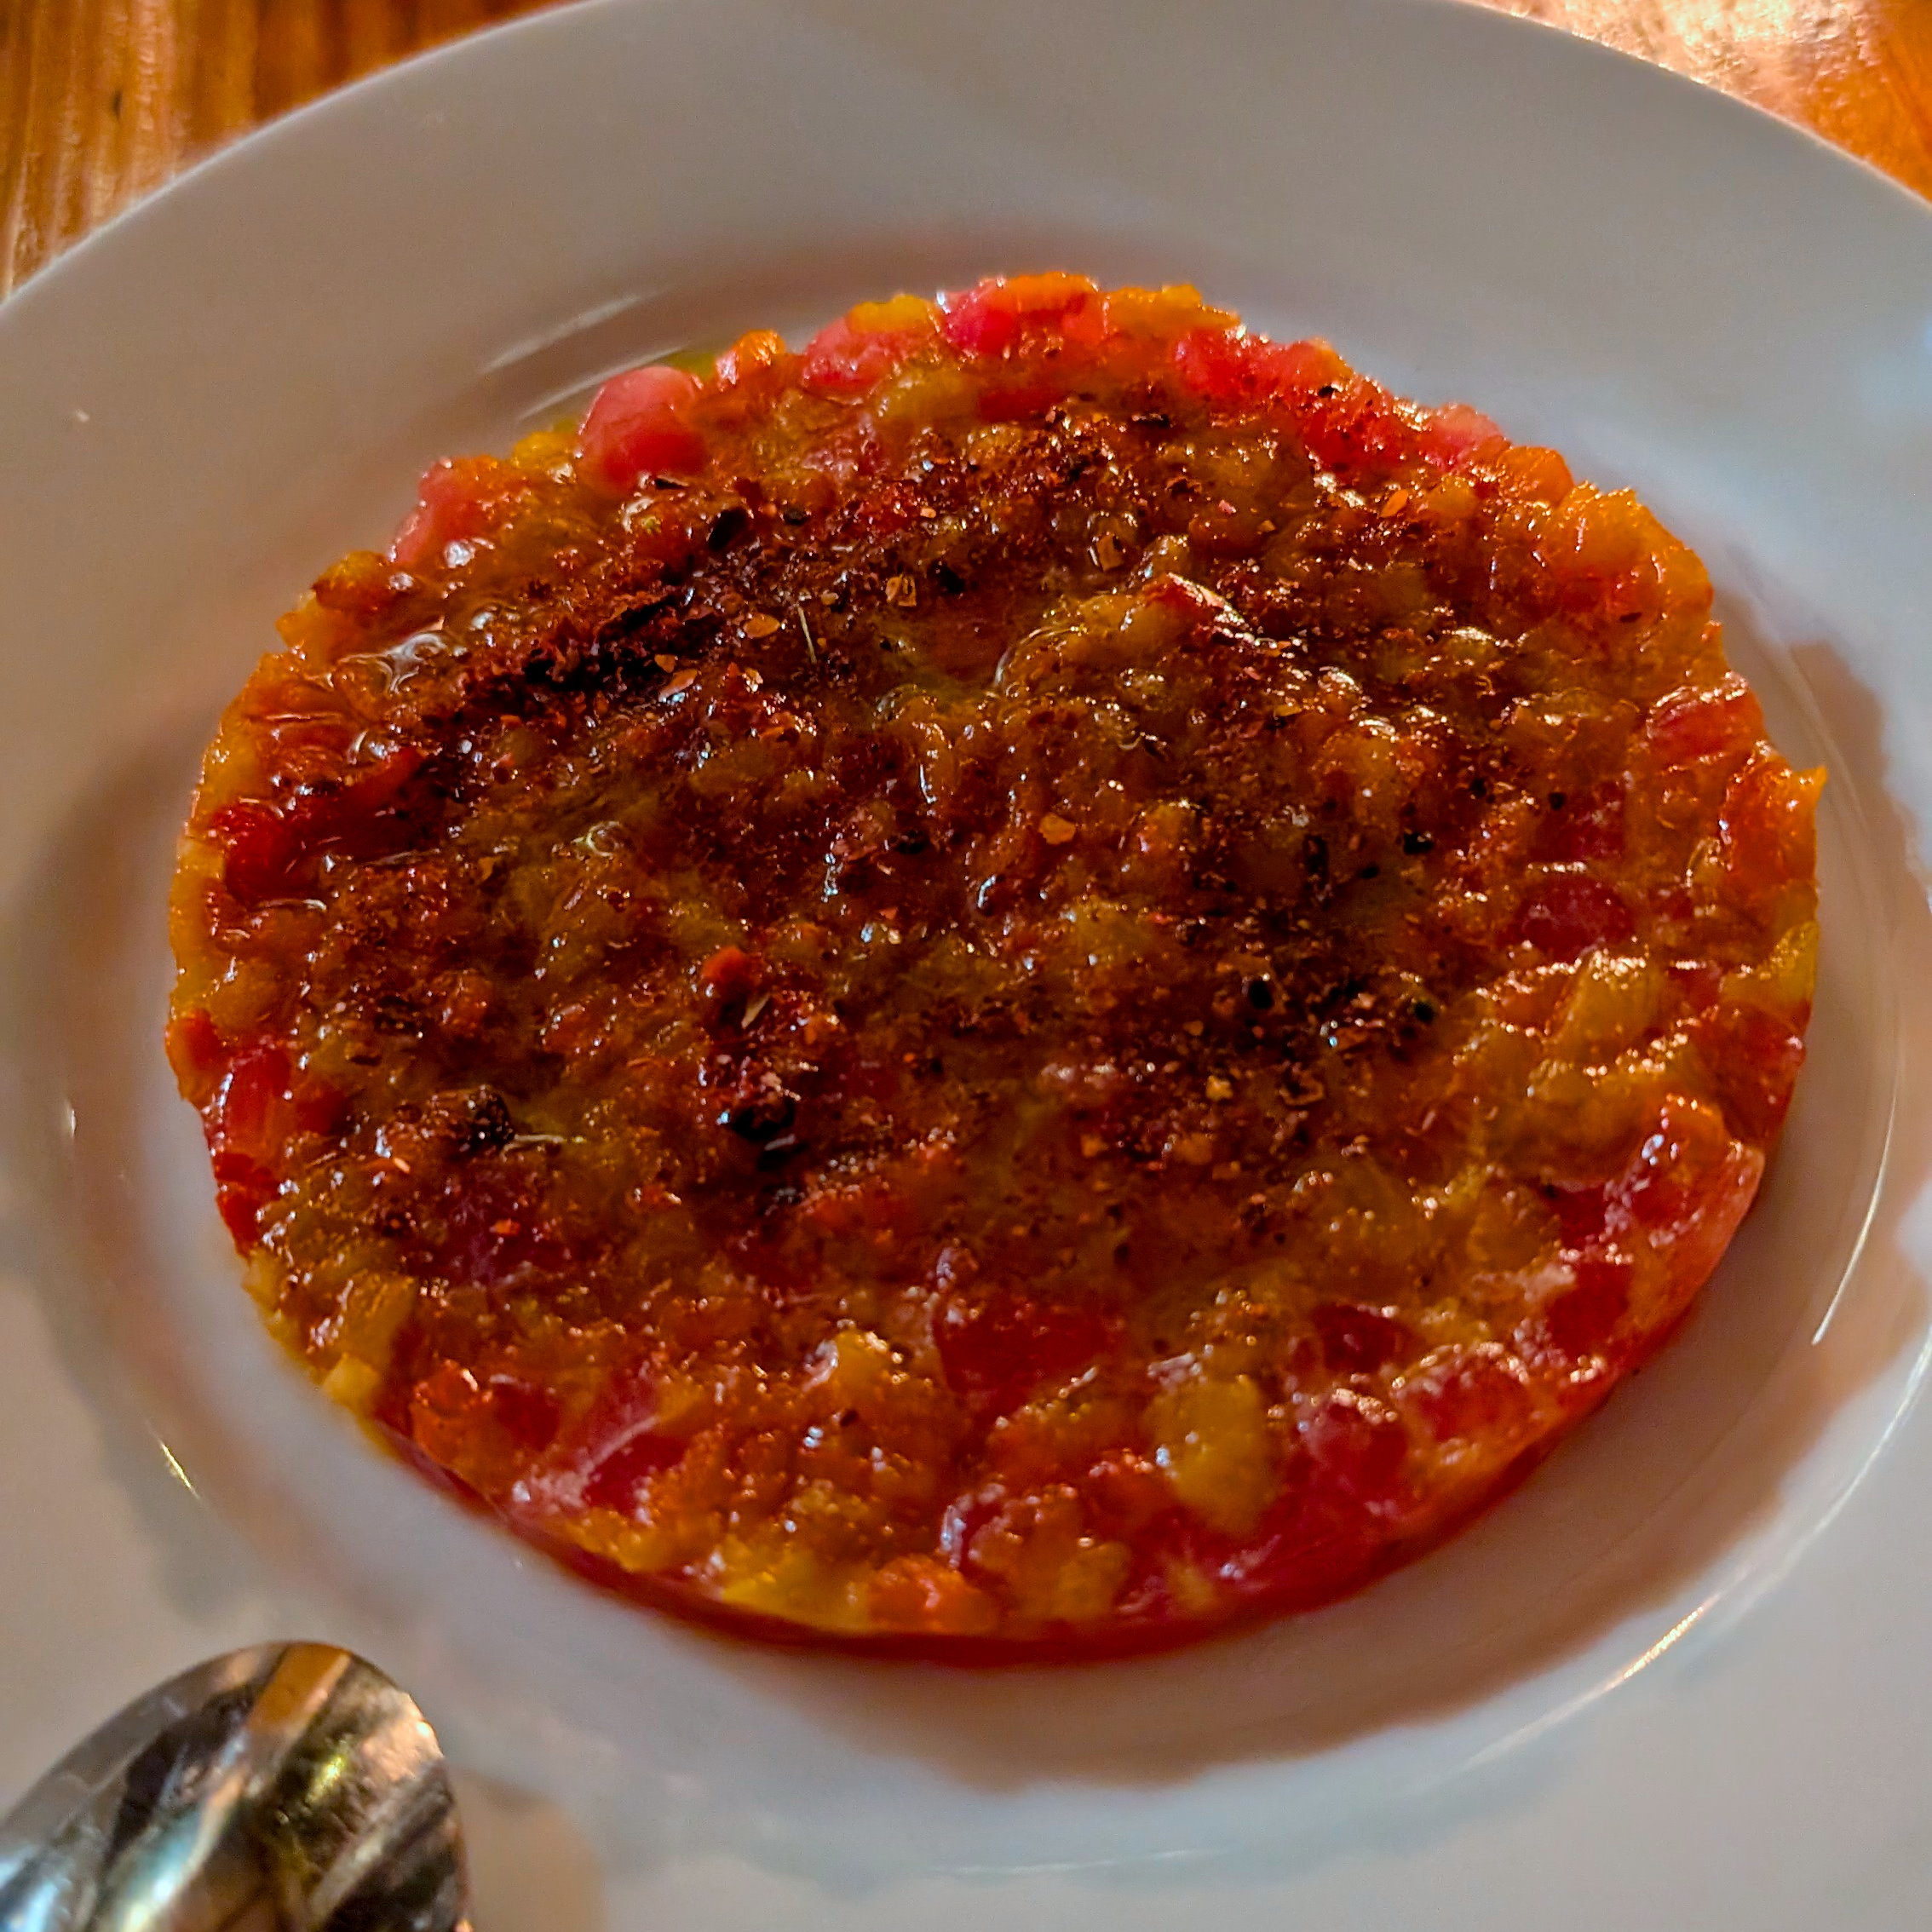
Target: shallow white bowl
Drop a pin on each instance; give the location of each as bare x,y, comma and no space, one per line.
222,391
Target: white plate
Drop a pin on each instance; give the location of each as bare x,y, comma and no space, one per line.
1567,1716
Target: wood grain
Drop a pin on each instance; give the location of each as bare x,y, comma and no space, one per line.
101,100
1857,71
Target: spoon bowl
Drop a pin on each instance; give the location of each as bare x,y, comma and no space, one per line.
290,1787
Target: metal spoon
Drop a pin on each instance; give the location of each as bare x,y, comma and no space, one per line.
288,1788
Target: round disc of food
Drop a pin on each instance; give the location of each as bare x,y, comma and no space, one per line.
1038,978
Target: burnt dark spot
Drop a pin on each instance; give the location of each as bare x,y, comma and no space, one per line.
732,521
763,1120
489,1124
1260,995
1415,843
628,619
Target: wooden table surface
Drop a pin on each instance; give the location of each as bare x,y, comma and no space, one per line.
101,100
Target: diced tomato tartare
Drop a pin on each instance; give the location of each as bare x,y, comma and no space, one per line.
1037,978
